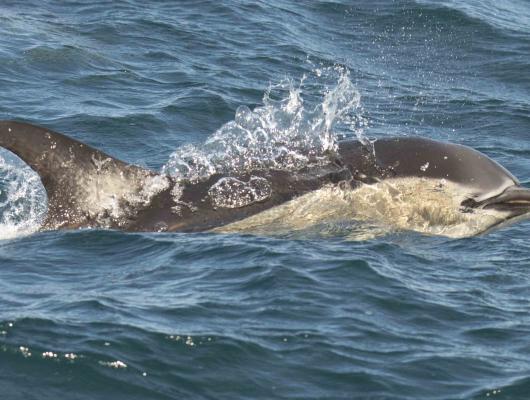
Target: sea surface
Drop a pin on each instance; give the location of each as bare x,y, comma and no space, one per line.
183,86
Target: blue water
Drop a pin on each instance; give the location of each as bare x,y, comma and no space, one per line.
97,314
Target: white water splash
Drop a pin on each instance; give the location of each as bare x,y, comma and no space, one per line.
293,128
231,192
23,201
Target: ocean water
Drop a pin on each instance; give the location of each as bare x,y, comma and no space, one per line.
191,87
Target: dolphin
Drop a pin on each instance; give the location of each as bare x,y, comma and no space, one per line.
88,188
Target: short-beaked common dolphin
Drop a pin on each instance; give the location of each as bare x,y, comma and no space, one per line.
88,188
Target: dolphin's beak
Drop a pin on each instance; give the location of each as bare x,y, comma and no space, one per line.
515,199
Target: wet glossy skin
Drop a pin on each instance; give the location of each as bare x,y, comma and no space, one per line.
418,157
63,164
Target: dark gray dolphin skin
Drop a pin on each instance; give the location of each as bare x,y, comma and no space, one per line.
77,178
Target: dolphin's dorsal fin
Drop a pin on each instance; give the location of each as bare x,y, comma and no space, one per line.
85,186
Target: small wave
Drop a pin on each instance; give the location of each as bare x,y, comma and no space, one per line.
511,15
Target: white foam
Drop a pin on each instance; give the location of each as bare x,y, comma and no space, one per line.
23,200
231,192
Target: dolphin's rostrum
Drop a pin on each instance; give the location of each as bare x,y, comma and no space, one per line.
88,188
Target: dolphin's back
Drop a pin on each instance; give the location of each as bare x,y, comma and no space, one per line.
87,187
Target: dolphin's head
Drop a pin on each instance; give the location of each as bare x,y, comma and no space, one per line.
483,183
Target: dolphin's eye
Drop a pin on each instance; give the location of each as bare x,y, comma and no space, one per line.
468,204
